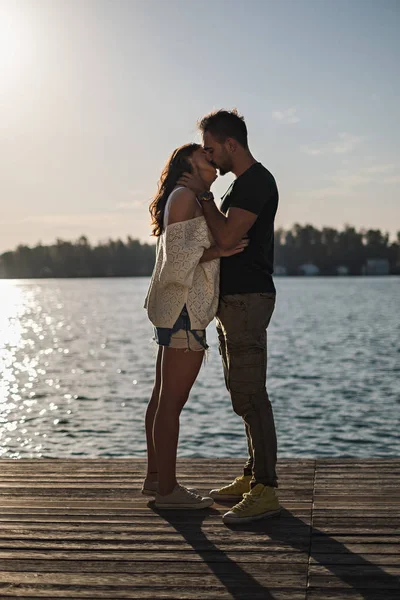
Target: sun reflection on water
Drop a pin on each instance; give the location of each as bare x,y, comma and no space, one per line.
12,307
18,363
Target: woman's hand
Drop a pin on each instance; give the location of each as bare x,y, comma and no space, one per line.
215,252
242,245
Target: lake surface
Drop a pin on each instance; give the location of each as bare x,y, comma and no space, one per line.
77,368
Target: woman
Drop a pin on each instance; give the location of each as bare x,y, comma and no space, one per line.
182,300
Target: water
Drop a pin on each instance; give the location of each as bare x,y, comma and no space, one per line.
77,367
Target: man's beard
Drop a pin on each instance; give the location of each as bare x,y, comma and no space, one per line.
221,170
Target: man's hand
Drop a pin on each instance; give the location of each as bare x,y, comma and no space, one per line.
194,182
242,245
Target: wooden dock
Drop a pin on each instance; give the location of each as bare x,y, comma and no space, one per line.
81,529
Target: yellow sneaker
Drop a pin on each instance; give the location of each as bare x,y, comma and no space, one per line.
234,490
259,503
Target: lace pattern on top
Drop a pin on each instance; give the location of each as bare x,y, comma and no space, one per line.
179,278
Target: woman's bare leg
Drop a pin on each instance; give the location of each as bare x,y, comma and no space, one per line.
179,369
149,421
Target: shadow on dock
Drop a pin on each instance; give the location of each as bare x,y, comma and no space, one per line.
371,583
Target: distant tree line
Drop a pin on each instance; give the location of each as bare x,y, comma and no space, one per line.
327,249
79,259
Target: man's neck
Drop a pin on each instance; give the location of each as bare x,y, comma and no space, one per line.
243,163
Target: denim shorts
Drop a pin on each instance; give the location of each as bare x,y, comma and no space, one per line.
181,336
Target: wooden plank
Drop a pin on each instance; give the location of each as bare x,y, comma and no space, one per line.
389,494
182,592
162,533
130,488
137,477
120,471
144,514
340,594
342,501
141,522
285,539
357,476
339,541
347,488
109,505
342,525
238,577
365,576
111,567
299,544
129,478
351,512
83,558
134,518
358,558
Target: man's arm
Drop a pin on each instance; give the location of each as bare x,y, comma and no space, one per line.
228,230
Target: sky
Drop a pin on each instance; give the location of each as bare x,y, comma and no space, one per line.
95,95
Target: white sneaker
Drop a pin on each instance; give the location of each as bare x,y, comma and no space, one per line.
182,498
150,488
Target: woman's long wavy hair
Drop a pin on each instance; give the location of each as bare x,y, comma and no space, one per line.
177,164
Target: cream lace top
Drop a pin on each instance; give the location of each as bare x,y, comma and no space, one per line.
179,278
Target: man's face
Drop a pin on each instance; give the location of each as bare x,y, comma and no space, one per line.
217,154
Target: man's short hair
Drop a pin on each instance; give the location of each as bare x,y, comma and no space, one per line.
223,124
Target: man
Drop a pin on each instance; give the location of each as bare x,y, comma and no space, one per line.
247,301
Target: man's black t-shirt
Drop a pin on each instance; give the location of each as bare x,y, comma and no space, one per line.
251,270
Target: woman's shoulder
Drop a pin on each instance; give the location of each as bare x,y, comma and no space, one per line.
182,205
182,194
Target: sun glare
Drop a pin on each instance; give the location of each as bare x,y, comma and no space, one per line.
9,41
15,38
